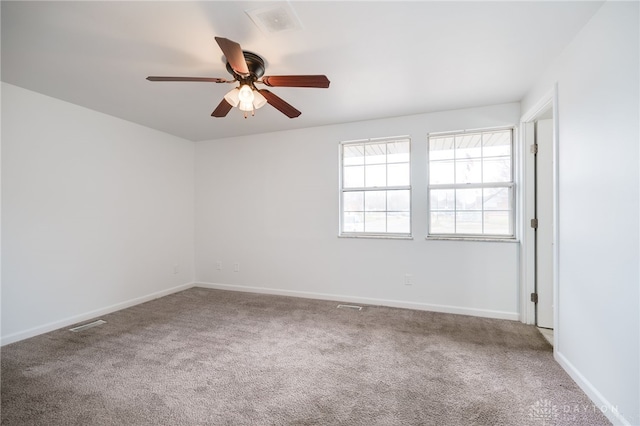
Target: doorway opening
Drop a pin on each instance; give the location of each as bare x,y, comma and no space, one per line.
539,266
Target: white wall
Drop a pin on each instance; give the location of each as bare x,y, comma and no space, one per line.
599,192
97,212
270,202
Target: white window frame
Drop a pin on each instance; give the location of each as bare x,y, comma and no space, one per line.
511,185
342,190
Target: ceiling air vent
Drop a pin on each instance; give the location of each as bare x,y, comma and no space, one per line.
275,19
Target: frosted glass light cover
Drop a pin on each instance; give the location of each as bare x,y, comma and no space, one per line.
258,100
232,97
245,106
245,94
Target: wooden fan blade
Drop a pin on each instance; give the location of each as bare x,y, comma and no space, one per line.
279,104
320,81
233,52
222,109
205,79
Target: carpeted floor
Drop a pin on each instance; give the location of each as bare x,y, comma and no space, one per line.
211,357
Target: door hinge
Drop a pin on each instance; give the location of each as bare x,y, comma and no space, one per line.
534,148
534,223
534,297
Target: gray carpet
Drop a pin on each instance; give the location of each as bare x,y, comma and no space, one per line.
210,357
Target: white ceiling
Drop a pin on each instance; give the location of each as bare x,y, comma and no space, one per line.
384,59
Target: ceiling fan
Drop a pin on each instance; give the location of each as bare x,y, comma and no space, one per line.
247,68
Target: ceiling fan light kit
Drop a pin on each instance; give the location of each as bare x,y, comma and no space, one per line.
245,99
248,69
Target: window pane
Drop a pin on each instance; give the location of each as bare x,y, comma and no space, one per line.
497,223
375,222
441,148
442,199
398,174
353,177
440,172
353,222
497,199
399,222
399,201
497,143
468,171
443,223
375,201
353,201
376,176
352,155
468,146
471,193
375,153
369,172
398,152
469,199
469,222
497,169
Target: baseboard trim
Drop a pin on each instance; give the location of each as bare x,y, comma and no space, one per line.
45,328
35,331
514,316
608,409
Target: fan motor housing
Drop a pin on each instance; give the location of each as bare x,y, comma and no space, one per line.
255,64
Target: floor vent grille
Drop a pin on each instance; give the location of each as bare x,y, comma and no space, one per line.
359,308
85,326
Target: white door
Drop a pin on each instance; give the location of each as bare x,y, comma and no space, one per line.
544,214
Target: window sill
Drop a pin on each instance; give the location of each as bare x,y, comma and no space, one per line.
383,237
479,239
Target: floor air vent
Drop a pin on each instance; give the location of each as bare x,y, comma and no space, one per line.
359,308
85,326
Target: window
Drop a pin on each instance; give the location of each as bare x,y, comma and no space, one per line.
471,184
375,188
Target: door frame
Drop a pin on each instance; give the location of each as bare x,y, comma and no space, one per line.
527,204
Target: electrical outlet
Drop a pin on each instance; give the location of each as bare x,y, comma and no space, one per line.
236,267
408,279
219,265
